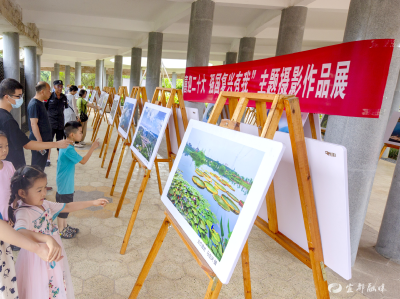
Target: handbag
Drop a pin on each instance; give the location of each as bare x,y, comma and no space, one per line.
83,116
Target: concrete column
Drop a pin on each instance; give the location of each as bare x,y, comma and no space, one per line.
67,75
11,63
56,72
38,66
107,79
363,137
136,67
99,73
117,72
231,57
154,53
174,78
104,82
246,49
291,30
199,43
78,73
30,72
51,79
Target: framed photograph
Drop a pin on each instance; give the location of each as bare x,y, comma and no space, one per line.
103,102
218,182
127,116
149,132
92,95
87,98
392,133
114,107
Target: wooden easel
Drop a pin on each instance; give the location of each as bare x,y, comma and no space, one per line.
158,101
314,258
215,285
100,116
96,111
385,146
107,137
138,93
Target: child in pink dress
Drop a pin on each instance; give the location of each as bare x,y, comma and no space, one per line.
36,278
6,172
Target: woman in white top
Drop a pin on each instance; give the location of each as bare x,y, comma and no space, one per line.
71,113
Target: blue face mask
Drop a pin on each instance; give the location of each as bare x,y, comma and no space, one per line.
18,103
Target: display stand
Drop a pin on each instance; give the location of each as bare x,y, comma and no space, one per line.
385,146
158,101
96,111
100,117
267,128
107,137
140,94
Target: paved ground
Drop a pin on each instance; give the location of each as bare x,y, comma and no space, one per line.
99,271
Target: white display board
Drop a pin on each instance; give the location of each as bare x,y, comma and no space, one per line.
192,113
215,189
114,109
328,167
392,133
93,95
149,133
306,124
103,102
126,117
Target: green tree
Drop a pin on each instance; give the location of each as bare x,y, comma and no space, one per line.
45,76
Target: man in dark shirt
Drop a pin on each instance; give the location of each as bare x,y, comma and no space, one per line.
11,97
55,106
39,125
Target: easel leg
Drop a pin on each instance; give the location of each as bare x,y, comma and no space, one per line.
150,259
246,271
382,151
214,287
128,180
135,211
108,143
104,141
158,177
112,156
118,167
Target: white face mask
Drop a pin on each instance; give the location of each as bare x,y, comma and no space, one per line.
18,102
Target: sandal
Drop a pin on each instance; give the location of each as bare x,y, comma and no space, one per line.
67,234
73,229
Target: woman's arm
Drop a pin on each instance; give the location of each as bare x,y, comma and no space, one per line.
9,235
80,205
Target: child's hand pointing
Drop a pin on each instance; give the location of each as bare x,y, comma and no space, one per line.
100,202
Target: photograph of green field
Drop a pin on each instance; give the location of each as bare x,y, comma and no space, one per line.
211,184
148,130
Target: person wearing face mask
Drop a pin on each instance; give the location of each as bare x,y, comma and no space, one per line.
55,106
11,96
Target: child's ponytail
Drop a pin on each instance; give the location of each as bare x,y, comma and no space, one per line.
23,179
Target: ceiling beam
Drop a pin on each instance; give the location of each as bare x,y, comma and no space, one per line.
261,22
79,48
171,15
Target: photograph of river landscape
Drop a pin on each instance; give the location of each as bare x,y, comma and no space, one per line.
395,136
126,116
211,184
149,128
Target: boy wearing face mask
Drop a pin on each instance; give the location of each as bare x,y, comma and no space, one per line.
11,96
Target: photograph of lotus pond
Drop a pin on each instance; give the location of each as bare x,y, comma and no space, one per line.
149,128
210,186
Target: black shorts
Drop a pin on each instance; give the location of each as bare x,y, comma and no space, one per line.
64,198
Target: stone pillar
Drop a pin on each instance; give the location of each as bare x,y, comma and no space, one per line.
136,67
38,67
174,78
230,58
246,49
117,72
107,79
291,30
104,81
51,79
78,73
154,53
363,137
30,72
56,72
67,76
11,63
199,43
99,73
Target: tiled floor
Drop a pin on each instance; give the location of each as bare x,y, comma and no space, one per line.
99,271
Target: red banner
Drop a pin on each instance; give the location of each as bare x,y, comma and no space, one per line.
348,79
